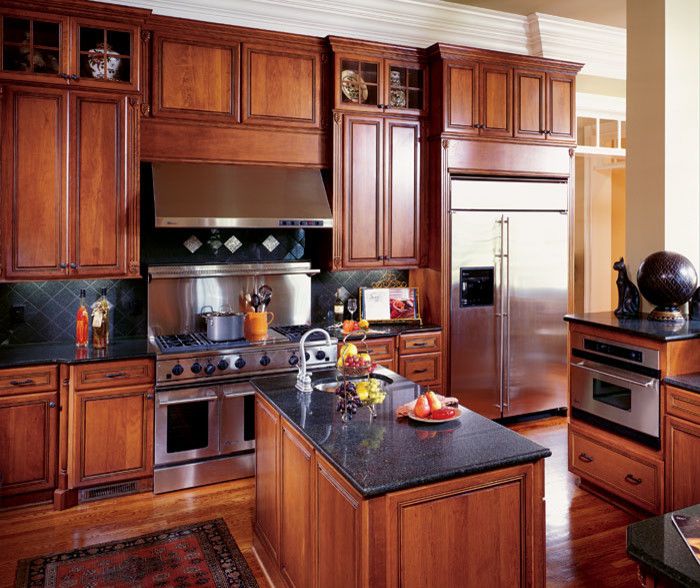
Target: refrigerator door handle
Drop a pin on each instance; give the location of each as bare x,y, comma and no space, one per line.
506,314
501,315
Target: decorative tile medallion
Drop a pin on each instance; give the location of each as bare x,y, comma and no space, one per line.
192,244
270,243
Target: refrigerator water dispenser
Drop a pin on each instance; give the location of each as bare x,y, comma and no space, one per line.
475,286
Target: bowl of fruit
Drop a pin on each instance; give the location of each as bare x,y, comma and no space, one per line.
353,363
429,409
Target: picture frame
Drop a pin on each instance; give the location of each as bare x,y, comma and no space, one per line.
390,305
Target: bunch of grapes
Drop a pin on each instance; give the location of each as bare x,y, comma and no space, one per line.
348,400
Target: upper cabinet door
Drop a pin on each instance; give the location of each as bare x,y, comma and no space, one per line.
530,91
106,55
358,82
34,159
406,88
461,98
561,107
194,79
402,163
101,192
363,203
281,86
496,83
34,47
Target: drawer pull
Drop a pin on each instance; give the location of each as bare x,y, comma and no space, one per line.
116,375
418,344
630,479
585,458
27,382
420,371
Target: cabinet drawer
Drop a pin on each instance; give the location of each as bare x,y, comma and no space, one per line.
122,373
423,368
636,480
379,349
683,404
28,379
419,342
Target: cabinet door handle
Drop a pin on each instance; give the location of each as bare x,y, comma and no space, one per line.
52,404
73,265
630,479
63,265
74,77
63,76
116,375
585,458
27,382
150,396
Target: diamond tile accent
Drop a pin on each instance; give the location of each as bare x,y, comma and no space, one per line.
233,244
192,244
270,243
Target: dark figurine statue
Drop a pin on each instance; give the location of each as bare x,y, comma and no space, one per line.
627,293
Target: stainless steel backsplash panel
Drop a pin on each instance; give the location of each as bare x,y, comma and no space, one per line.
176,294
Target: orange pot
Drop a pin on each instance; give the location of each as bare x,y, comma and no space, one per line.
256,324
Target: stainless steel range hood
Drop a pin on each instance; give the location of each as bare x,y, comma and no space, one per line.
245,196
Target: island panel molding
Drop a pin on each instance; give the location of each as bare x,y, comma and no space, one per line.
418,24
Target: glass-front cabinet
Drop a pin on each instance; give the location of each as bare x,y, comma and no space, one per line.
68,50
33,46
372,83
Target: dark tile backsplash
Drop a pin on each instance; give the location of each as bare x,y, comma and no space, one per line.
49,307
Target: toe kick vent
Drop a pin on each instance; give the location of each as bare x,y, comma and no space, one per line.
107,491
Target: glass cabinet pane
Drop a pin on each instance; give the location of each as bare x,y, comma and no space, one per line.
586,133
105,54
623,134
31,46
359,82
608,133
405,87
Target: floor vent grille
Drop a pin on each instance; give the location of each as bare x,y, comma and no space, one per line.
108,491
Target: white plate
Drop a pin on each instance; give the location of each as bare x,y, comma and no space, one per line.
412,415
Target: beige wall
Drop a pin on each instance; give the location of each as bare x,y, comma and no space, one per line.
601,86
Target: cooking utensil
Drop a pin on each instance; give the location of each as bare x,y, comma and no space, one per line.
265,293
255,301
224,324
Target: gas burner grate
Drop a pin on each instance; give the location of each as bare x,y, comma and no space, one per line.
295,332
189,341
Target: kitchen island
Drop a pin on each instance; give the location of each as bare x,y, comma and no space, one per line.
382,502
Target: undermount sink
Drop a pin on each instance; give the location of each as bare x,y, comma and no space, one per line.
330,384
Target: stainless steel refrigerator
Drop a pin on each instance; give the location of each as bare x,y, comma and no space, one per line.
509,295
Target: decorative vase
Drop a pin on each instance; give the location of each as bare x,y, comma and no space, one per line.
667,280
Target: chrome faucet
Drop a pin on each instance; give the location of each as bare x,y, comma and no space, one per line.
304,378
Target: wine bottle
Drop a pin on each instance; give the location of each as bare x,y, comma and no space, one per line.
338,308
81,322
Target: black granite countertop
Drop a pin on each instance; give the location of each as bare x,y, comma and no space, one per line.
658,545
384,454
690,382
641,326
41,353
389,330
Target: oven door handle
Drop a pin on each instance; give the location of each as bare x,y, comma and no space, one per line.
646,384
188,400
239,394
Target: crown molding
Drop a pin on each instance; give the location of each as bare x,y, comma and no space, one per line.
417,23
601,48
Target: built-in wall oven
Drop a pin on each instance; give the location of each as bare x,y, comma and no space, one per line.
616,386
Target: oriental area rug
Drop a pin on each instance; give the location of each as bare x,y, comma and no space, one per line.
200,555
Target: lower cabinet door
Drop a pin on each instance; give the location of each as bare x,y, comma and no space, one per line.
682,458
28,442
267,426
112,433
297,521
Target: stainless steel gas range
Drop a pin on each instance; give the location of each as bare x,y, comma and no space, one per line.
204,416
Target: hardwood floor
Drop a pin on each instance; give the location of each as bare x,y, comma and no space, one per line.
585,535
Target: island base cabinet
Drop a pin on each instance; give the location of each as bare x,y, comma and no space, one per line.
481,530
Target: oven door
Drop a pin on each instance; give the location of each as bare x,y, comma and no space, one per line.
237,418
186,425
616,395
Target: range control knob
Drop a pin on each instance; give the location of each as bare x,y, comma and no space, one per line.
264,361
178,369
320,354
196,367
293,360
223,364
240,363
306,354
210,369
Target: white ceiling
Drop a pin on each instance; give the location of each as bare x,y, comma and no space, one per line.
606,12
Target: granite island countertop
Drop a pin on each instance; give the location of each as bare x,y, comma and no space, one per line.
657,544
640,326
690,382
384,454
46,353
379,330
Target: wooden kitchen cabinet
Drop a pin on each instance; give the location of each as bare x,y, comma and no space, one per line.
420,358
297,499
28,444
682,448
84,224
194,78
544,106
111,435
267,431
377,192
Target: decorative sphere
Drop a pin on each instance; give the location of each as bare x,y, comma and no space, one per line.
667,279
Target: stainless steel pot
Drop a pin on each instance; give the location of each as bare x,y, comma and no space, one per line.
224,324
